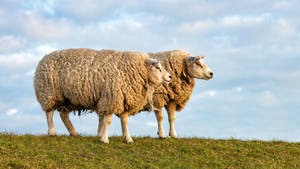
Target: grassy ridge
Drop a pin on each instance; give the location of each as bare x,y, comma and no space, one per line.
87,152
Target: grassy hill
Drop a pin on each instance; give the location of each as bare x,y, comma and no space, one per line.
87,152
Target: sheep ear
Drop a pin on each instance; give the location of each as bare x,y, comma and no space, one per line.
191,59
200,57
152,62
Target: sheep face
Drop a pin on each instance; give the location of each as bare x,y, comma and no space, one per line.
157,74
197,69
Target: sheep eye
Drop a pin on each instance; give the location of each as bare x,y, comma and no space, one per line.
199,64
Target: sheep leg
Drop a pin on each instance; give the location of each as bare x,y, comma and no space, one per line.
51,130
171,108
124,122
159,118
65,118
104,134
100,125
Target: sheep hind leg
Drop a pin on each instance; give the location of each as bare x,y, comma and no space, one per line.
65,118
159,118
171,108
106,123
100,125
124,122
51,130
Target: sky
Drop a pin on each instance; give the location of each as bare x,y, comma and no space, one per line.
253,48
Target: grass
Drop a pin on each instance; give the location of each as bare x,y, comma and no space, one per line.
30,151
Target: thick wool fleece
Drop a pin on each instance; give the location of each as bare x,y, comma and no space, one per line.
104,81
181,86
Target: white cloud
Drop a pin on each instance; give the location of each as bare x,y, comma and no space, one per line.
46,29
30,73
10,43
198,27
209,93
46,6
16,60
130,25
239,20
11,112
267,99
25,59
2,16
212,93
45,49
286,5
89,9
152,124
239,89
284,29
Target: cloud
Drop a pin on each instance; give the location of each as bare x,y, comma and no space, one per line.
89,9
201,27
239,20
11,112
284,29
290,5
239,89
208,93
46,6
10,43
46,29
25,59
152,124
267,99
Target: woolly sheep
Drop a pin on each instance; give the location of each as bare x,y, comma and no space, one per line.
106,81
174,96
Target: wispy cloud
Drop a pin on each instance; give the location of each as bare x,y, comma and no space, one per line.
10,43
24,59
152,124
11,112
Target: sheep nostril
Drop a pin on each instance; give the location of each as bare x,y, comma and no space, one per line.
170,76
211,73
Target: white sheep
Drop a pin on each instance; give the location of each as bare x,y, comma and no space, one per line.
174,96
106,81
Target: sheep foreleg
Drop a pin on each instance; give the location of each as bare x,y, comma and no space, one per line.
124,122
104,134
159,118
171,108
51,130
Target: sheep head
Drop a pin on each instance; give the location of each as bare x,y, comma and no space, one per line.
197,69
157,73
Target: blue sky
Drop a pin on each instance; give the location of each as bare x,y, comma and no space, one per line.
253,47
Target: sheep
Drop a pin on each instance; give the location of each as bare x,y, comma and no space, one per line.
174,96
106,81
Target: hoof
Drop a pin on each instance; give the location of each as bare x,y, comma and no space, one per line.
105,141
161,135
173,135
51,132
128,140
74,134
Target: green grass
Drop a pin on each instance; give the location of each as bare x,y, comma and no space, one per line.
87,152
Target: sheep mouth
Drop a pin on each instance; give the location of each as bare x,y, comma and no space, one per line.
166,81
207,77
